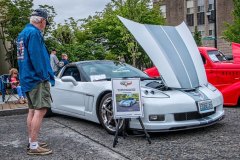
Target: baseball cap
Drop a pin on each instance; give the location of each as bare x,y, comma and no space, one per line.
41,13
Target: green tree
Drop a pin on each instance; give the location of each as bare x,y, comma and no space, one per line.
103,36
232,33
197,36
106,29
69,38
13,17
63,34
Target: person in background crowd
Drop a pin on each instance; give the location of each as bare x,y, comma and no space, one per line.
13,79
64,61
35,73
54,61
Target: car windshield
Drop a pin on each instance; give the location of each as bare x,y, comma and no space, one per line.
105,70
217,56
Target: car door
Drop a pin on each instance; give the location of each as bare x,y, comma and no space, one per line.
67,97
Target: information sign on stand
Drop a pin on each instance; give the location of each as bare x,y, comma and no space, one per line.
127,98
127,103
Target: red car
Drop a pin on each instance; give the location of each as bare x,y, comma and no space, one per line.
221,72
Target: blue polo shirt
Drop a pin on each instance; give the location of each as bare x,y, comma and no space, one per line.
33,59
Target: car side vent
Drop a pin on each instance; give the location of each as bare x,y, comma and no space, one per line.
190,90
191,115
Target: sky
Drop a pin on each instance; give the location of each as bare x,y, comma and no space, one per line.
73,8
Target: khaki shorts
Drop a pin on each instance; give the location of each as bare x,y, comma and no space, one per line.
40,96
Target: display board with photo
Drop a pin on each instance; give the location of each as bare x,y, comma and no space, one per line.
127,98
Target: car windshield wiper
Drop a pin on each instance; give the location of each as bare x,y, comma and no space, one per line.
150,78
143,78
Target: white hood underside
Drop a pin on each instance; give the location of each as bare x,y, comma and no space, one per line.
173,51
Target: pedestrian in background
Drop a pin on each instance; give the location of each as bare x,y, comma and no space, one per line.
54,61
35,74
64,61
14,80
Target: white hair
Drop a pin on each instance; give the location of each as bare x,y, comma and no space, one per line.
35,19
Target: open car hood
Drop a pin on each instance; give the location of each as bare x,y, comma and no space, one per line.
173,51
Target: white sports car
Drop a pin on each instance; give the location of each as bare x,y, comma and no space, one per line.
127,102
181,99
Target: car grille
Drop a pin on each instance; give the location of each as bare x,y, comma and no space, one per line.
191,115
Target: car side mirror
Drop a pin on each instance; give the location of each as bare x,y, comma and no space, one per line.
69,79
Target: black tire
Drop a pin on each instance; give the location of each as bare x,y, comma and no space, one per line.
105,114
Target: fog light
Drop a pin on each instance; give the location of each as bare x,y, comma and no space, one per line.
159,117
153,117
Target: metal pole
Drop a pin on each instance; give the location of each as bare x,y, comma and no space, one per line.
215,24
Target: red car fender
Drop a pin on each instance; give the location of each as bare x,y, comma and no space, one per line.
231,94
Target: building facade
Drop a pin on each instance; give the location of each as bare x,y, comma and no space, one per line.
209,16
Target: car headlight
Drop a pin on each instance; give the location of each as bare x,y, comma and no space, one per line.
153,93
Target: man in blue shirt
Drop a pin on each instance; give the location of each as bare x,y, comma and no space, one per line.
35,75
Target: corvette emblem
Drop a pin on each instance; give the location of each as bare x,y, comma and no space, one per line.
126,83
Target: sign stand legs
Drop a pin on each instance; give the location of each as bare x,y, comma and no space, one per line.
115,141
125,134
146,134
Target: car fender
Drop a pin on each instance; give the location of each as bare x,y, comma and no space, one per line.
99,99
231,94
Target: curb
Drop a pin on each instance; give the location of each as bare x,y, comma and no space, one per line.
11,112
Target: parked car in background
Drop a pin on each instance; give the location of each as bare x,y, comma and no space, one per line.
221,72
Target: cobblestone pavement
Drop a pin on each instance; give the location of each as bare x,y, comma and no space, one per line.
72,138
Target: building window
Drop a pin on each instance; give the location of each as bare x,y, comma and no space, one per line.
211,2
190,7
200,8
190,21
190,13
200,14
210,32
190,10
163,10
200,18
202,33
210,7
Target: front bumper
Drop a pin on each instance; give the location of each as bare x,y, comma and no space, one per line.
177,125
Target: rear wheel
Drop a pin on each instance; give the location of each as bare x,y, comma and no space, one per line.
105,114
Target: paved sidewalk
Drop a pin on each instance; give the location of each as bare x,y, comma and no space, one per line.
12,107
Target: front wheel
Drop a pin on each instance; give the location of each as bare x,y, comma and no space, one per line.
105,113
